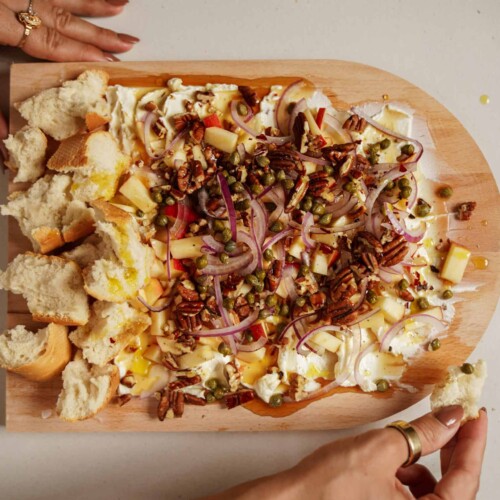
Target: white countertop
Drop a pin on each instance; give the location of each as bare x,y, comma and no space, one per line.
450,48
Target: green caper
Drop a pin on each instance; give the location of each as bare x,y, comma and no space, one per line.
384,144
201,262
228,303
276,227
224,257
224,349
219,393
301,301
307,204
249,336
234,158
226,235
281,176
422,303
447,294
202,288
325,219
445,192
304,269
390,186
219,225
382,385
268,255
375,148
467,368
262,161
289,258
263,314
329,169
276,400
403,284
271,300
408,149
210,397
225,173
170,201
257,189
251,279
373,157
161,220
230,246
231,180
269,179
422,209
405,193
212,384
139,213
242,204
250,298
284,310
261,274
259,287
350,187
157,196
403,182
371,297
288,184
318,209
237,187
435,344
242,109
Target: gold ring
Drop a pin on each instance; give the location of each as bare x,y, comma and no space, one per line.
412,440
30,21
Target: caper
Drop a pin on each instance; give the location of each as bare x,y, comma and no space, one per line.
307,204
371,297
242,109
228,303
325,219
212,384
269,179
170,201
224,349
304,269
447,294
224,258
210,397
405,193
268,255
276,400
467,368
202,288
350,187
257,189
281,176
382,385
219,225
201,262
259,287
384,144
237,187
226,235
301,301
289,259
251,279
161,220
139,213
249,336
276,227
261,274
157,197
284,310
242,204
250,298
403,182
202,279
445,192
435,344
230,246
271,300
403,284
329,169
219,393
422,303
234,158
225,174
408,149
262,161
231,180
422,209
390,185
318,209
288,184
263,314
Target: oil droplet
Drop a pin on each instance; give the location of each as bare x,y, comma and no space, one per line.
484,222
484,99
480,263
385,97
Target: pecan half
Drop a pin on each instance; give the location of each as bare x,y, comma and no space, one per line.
234,376
394,252
184,120
188,294
320,182
318,300
355,123
197,132
194,400
163,405
464,210
283,159
343,285
177,403
182,382
168,361
190,308
249,95
370,261
298,193
238,398
368,240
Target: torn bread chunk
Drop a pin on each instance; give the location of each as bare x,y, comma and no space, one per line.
87,389
110,329
52,287
61,111
96,163
463,386
124,266
87,252
27,149
48,216
37,356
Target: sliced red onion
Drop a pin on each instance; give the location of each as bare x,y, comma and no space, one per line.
367,350
312,159
332,123
155,309
150,120
414,192
231,212
217,268
277,237
229,330
220,302
306,258
176,140
342,208
180,222
259,221
339,229
241,151
213,244
314,331
282,120
307,224
254,346
386,276
169,271
254,253
411,236
397,327
277,196
294,322
362,292
203,199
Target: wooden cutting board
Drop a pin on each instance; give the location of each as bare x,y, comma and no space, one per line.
460,163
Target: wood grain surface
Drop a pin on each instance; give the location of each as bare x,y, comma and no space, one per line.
458,161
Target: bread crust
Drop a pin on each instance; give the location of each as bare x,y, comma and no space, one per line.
71,154
94,121
52,361
79,229
48,238
111,213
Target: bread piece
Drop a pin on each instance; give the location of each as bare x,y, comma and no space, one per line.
52,286
96,163
61,111
37,356
48,216
86,253
110,329
27,149
87,389
462,389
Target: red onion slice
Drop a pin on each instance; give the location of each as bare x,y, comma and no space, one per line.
312,159
339,229
226,195
314,331
253,251
414,192
411,236
169,271
282,120
307,223
367,350
342,207
217,268
254,346
361,318
293,322
334,125
180,222
220,302
156,309
278,237
229,330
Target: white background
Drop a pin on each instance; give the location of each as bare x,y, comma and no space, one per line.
450,48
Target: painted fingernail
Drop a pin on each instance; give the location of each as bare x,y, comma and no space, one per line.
111,57
128,38
117,3
450,415
484,409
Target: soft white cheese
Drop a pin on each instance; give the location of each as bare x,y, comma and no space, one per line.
310,367
376,366
268,385
214,369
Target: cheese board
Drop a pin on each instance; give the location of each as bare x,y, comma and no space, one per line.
456,161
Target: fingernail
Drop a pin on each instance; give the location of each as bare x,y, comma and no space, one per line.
110,57
484,409
450,415
128,38
117,3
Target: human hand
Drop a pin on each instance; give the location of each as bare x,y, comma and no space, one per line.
367,466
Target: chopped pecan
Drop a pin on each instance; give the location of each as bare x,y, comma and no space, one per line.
347,165
182,382
183,178
163,405
299,130
189,323
168,361
177,403
188,293
190,308
394,252
320,182
184,120
249,94
274,275
355,123
297,387
238,398
128,380
234,376
406,295
283,159
124,399
178,195
343,285
241,307
464,210
207,96
197,132
298,193
194,400
318,300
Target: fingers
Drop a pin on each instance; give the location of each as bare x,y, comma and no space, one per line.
11,30
93,8
418,478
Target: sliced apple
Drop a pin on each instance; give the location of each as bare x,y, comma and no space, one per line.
455,263
252,357
153,353
198,155
323,258
160,249
186,248
297,247
327,340
134,190
158,322
221,139
259,329
313,126
392,310
152,291
158,270
374,322
328,238
196,358
436,312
